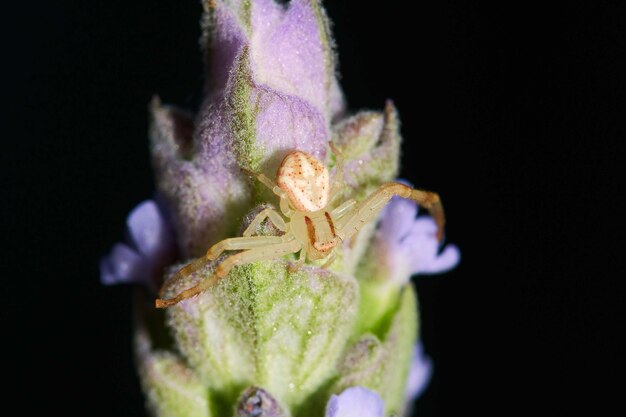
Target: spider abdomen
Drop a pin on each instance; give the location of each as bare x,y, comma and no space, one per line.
305,180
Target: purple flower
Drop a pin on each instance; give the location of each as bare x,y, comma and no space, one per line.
355,402
272,89
419,374
406,245
149,248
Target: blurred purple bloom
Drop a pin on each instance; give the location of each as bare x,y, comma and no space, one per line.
407,245
419,374
355,402
149,249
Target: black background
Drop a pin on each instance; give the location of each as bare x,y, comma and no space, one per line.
513,112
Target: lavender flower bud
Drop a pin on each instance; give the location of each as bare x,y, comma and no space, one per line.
264,339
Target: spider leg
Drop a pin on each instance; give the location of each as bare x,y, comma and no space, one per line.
215,251
338,181
298,264
367,209
341,210
266,181
330,260
268,252
264,214
285,208
238,243
284,202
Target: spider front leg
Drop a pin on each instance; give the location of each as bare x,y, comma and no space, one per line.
238,243
369,208
216,250
284,201
267,213
268,252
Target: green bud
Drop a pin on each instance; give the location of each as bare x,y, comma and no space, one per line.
256,402
370,142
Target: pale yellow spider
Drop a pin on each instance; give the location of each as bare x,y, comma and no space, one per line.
303,185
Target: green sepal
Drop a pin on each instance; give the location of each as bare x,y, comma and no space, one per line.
379,302
370,143
242,114
267,327
382,363
171,388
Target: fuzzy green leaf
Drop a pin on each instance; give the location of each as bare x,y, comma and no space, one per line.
264,326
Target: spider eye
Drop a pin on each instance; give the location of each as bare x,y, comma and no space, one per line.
305,180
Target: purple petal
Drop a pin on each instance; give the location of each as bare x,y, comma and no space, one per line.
127,265
425,247
148,230
355,402
287,122
409,245
107,277
289,52
397,218
445,261
419,374
425,225
422,244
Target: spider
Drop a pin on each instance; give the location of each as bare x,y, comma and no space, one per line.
314,229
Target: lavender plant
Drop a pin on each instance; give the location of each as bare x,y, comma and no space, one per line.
268,340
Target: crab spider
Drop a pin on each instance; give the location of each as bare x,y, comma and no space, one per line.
313,229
